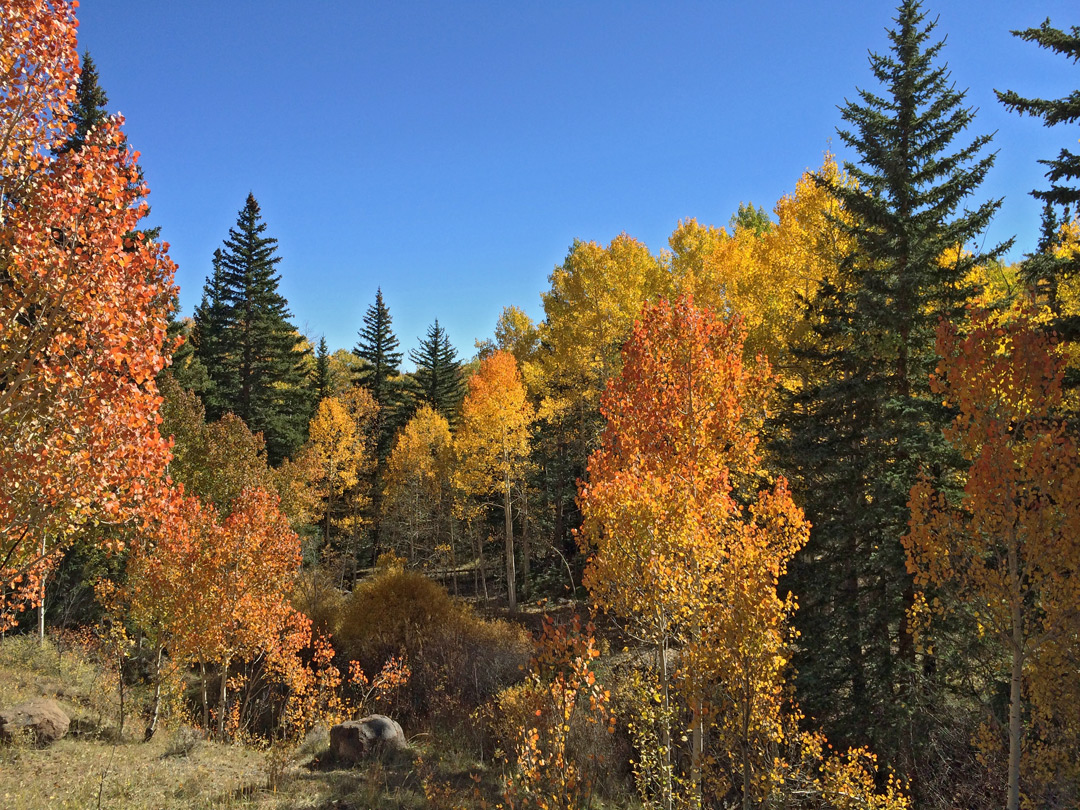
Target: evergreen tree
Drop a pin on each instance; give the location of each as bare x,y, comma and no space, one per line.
1064,171
862,429
244,338
749,217
437,380
322,372
88,110
1045,270
378,346
381,374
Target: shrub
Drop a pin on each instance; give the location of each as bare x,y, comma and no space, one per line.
458,659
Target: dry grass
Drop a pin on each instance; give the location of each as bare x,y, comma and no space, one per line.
94,767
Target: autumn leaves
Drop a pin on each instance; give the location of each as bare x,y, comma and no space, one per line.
83,302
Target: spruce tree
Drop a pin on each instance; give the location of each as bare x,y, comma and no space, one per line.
378,346
323,387
437,380
88,109
1045,270
864,427
1064,170
245,340
381,373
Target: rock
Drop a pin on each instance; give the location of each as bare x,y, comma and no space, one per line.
356,740
42,717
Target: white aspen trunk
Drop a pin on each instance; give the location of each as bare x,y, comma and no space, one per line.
511,573
41,607
222,696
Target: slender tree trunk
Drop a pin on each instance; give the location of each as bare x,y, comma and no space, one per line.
205,698
526,551
120,687
1016,730
453,555
41,607
511,574
665,727
222,696
155,706
747,703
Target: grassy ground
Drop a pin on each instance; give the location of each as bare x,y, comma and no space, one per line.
95,766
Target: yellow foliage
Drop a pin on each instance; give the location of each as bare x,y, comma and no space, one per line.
765,278
339,444
417,491
595,297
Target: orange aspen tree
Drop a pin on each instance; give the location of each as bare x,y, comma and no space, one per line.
673,553
83,305
212,591
493,442
1011,542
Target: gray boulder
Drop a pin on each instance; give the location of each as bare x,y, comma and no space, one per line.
374,735
41,717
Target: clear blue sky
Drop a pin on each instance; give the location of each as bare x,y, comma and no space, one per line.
452,151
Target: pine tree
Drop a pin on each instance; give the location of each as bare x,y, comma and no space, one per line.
322,372
378,346
860,432
437,381
1046,269
88,110
245,339
1065,169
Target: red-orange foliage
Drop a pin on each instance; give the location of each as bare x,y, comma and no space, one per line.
674,551
546,773
1011,543
82,311
215,592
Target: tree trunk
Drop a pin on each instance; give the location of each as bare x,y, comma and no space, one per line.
222,696
511,574
453,556
1016,731
41,607
120,687
205,698
526,551
665,729
155,706
747,704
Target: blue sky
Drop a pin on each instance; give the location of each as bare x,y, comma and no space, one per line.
452,151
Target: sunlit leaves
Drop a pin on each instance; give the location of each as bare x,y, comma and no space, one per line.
1010,544
674,553
83,305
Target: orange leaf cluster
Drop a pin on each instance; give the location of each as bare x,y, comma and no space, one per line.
212,590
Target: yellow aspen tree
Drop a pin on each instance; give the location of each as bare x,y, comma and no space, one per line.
337,450
493,442
766,277
595,296
415,504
